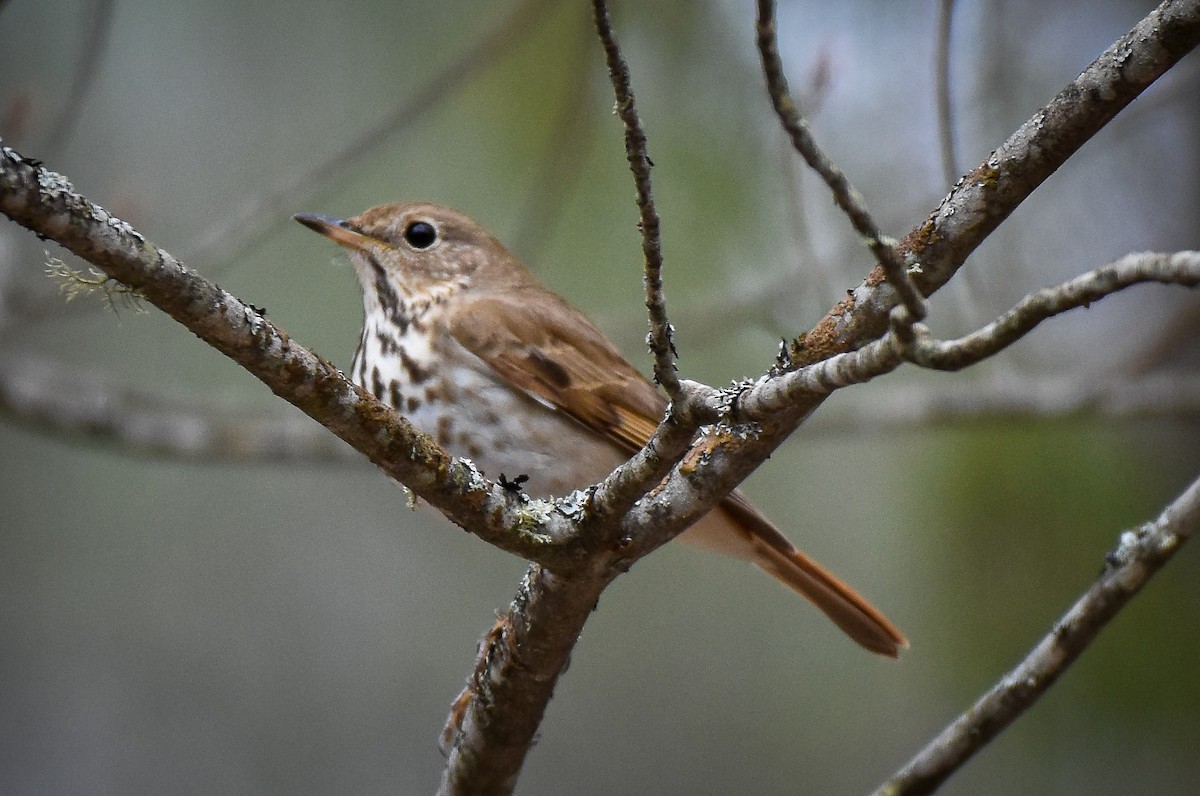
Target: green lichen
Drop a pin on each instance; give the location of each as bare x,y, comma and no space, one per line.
74,283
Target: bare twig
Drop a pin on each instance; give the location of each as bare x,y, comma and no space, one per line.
942,87
844,194
911,342
1139,555
965,303
255,216
97,28
1180,268
660,338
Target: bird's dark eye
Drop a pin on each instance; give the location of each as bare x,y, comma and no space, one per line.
420,234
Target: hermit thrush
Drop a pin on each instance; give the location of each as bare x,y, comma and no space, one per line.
461,338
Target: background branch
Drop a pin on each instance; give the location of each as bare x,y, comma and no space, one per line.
942,89
98,27
1141,554
246,224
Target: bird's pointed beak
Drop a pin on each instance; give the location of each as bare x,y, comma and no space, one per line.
337,231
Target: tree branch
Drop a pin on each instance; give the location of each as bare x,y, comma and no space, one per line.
1140,554
990,193
908,341
660,338
46,203
844,194
1181,268
493,723
942,89
71,403
506,700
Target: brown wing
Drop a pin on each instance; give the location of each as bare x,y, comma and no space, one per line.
543,346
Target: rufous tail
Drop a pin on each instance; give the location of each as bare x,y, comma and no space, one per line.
771,551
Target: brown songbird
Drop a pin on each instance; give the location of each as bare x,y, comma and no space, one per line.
462,340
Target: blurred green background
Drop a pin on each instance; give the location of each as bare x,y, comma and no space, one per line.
197,627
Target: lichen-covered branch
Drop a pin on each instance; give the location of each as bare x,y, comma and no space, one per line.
46,203
908,341
494,720
503,705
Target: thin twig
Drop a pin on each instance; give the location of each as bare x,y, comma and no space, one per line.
1140,554
660,338
844,194
942,88
965,287
1180,268
252,218
97,27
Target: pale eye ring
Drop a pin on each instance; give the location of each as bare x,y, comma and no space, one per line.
420,234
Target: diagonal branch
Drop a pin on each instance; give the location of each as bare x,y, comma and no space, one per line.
43,200
993,190
495,719
1140,554
500,715
46,203
254,216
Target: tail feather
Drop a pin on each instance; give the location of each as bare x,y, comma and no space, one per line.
848,609
745,533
